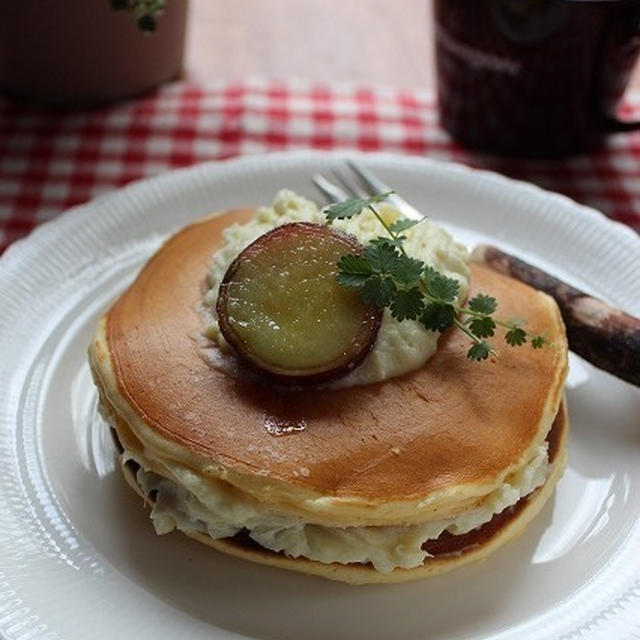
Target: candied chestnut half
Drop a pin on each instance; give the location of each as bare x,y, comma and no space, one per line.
282,310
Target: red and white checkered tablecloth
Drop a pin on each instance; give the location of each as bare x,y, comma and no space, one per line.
51,160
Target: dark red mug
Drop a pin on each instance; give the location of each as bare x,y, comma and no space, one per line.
534,77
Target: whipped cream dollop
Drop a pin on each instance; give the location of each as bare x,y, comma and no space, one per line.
400,347
186,502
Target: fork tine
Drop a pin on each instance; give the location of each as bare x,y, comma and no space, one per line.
335,193
375,185
331,192
353,189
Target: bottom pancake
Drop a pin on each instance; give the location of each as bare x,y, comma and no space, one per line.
446,552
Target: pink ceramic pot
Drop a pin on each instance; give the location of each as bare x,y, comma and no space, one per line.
79,52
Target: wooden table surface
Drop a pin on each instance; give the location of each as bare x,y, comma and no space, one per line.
364,41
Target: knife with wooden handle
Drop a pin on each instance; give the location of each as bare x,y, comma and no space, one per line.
605,336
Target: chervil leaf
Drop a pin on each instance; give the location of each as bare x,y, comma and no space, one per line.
354,264
386,276
352,280
482,303
537,342
378,291
379,197
406,270
437,317
346,209
479,351
381,257
354,270
440,286
407,305
482,327
352,207
515,337
394,243
430,272
402,225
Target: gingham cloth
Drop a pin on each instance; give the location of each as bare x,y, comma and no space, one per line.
51,160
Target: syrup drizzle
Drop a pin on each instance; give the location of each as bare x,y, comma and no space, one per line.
279,427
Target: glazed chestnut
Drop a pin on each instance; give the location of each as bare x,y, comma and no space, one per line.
282,310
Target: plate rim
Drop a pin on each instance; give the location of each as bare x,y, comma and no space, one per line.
16,248
22,250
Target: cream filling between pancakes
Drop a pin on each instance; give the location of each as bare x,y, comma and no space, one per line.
400,346
185,502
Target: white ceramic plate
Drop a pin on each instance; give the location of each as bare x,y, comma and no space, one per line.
78,556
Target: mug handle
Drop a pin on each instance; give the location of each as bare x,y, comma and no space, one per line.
613,125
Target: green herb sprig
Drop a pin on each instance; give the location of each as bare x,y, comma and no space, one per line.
144,12
386,276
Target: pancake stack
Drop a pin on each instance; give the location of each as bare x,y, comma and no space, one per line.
306,472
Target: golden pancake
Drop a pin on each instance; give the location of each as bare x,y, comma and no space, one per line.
424,446
470,548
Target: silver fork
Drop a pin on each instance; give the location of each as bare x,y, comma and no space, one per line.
595,339
365,184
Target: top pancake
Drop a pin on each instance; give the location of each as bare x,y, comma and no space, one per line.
425,443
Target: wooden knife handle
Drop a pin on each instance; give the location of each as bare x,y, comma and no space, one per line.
605,336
